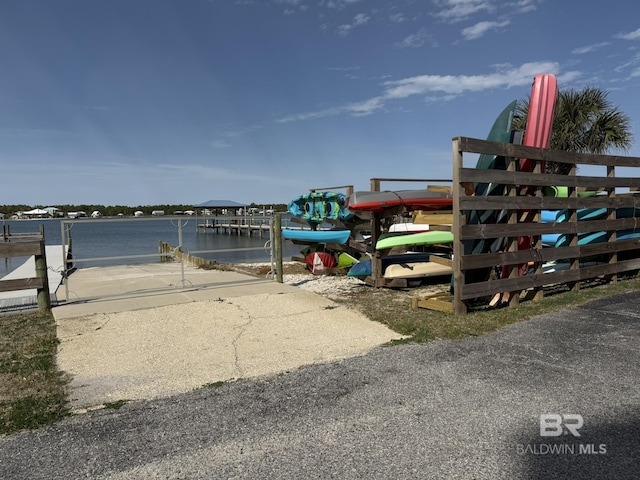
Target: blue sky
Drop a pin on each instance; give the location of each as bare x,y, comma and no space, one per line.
142,102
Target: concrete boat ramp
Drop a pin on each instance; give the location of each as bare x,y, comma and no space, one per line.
27,299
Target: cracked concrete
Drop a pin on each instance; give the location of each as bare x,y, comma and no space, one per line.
142,340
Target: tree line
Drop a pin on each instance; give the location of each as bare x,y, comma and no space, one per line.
115,210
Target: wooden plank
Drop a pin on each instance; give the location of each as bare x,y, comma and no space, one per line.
546,203
21,284
447,262
472,145
459,219
376,181
438,302
470,232
482,289
440,228
434,218
439,188
20,249
525,178
469,262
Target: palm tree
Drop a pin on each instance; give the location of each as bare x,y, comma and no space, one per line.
585,122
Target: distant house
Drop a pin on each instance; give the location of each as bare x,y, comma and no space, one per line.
35,213
53,211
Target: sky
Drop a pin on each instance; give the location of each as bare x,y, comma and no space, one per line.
150,102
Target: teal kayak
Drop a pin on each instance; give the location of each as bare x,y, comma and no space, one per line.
339,237
317,207
598,237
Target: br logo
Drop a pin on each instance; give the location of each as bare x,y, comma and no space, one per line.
555,425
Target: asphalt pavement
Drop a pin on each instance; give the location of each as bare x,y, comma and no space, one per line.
467,409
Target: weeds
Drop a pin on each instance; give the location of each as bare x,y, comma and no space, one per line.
33,392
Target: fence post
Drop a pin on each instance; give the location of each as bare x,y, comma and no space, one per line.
277,244
459,307
44,299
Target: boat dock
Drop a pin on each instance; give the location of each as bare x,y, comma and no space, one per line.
23,299
235,225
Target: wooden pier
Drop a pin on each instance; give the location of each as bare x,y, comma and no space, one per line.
235,225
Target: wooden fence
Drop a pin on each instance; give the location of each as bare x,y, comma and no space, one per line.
523,206
40,282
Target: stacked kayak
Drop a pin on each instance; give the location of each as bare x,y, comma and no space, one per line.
318,207
584,215
338,237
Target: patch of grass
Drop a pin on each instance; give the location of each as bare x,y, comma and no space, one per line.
33,392
217,384
393,308
117,405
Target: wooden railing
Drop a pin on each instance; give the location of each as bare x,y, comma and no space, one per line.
522,207
40,282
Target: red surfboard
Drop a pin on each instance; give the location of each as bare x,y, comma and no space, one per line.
537,133
542,104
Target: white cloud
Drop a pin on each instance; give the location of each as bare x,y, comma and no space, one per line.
506,77
220,144
359,20
457,10
340,4
289,2
523,6
444,87
397,18
635,35
589,48
416,40
480,28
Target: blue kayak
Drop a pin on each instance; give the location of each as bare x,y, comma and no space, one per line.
339,237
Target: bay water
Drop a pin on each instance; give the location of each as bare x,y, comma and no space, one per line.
97,238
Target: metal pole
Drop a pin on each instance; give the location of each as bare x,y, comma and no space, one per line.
277,242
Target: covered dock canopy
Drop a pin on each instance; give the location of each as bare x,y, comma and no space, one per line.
220,205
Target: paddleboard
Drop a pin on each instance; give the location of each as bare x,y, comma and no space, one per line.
409,227
416,270
363,267
339,237
423,238
563,192
317,207
537,133
423,199
542,104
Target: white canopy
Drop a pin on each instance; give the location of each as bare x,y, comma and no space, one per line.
36,211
